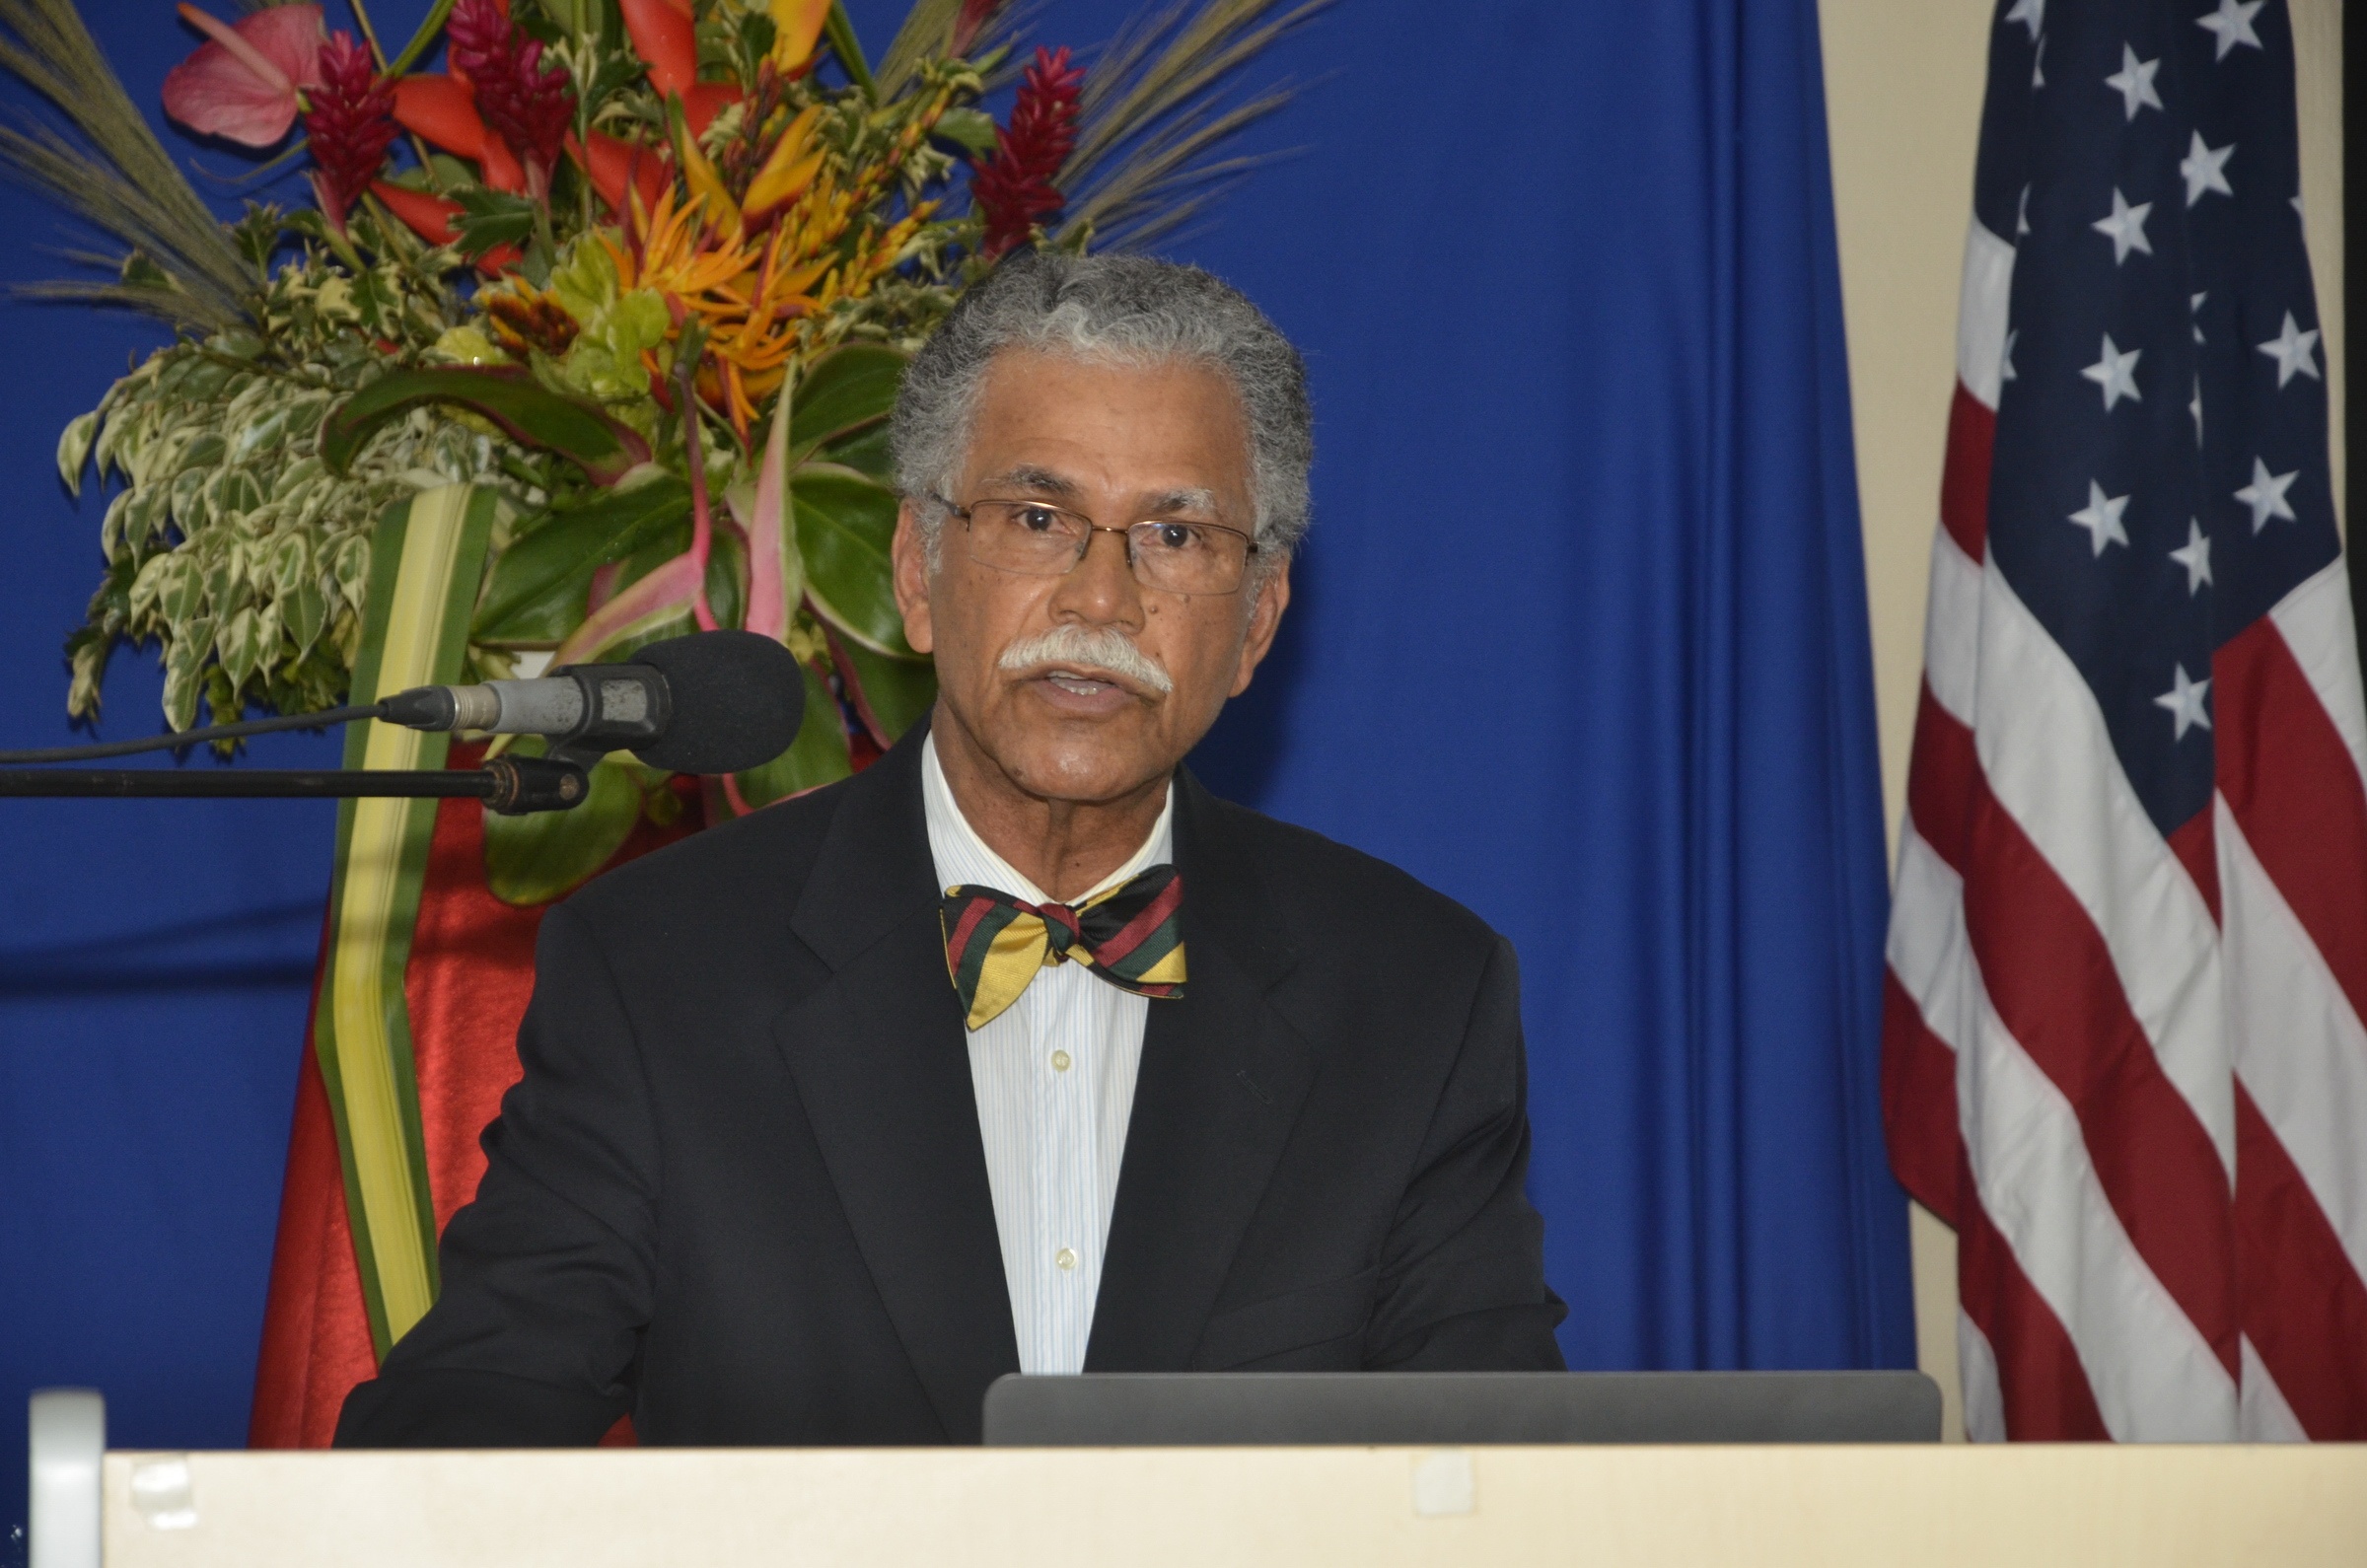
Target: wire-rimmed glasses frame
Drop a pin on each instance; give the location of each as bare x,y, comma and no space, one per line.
1157,560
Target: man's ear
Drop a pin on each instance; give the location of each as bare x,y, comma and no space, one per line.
1265,618
909,554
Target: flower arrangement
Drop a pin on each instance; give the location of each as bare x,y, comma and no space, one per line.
648,270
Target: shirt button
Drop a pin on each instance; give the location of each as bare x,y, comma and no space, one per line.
1059,1061
1066,1258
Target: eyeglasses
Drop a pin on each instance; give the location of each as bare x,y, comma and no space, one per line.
1169,554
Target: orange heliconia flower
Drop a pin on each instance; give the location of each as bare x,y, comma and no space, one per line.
755,298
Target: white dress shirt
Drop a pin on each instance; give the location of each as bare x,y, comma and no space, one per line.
1053,1075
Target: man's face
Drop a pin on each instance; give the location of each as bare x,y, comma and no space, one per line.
1120,446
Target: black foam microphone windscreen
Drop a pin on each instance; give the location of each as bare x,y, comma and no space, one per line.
737,698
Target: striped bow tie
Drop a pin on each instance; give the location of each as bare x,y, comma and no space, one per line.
1129,936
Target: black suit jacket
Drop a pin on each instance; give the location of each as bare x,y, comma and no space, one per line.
740,1191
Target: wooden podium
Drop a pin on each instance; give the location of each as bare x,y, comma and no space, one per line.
1835,1507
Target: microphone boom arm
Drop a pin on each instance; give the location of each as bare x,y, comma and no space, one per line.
510,785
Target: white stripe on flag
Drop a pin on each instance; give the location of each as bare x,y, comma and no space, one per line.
2153,1374
1952,629
1985,1396
2315,620
2266,1417
1988,286
2300,1048
2051,764
1927,950
2150,1369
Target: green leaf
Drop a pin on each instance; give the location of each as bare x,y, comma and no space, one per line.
422,39
74,450
380,303
528,411
840,31
817,755
240,646
256,234
727,570
536,590
851,385
890,694
139,272
535,858
866,450
756,32
973,128
182,594
304,610
185,665
845,521
233,492
488,218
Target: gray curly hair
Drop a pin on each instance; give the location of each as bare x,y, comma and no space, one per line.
1125,308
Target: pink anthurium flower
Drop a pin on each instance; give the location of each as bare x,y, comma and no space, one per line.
243,85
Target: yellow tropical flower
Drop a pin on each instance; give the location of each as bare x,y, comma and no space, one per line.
796,26
789,168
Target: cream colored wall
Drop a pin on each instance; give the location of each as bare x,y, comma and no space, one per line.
1903,85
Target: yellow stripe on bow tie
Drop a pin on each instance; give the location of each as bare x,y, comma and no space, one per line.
1129,936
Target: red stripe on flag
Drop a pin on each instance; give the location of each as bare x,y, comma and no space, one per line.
2296,793
1918,1103
1965,481
2047,1398
1943,782
2052,982
2196,847
2305,1307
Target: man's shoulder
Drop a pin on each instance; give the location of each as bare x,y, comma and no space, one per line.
1322,887
760,860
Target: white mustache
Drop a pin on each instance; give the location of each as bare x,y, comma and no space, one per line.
1084,648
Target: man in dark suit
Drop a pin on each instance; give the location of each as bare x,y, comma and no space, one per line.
1019,1051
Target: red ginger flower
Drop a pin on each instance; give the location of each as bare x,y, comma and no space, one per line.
525,102
1012,188
349,126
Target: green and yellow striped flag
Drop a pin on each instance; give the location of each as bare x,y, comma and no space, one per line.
427,557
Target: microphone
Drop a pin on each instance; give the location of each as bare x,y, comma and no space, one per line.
711,702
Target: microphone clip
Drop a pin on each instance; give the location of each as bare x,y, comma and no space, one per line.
522,784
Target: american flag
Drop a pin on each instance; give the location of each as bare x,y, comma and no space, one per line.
2123,1046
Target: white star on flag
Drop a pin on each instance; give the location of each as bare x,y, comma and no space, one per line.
2194,308
2116,373
2126,226
2195,557
2005,366
2038,67
2205,169
2195,409
2265,495
2022,215
2032,14
2231,24
2134,82
2184,699
2100,516
2292,349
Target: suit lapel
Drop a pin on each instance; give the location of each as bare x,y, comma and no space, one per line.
1221,1081
879,1058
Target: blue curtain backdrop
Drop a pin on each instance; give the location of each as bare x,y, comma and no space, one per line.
1580,638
